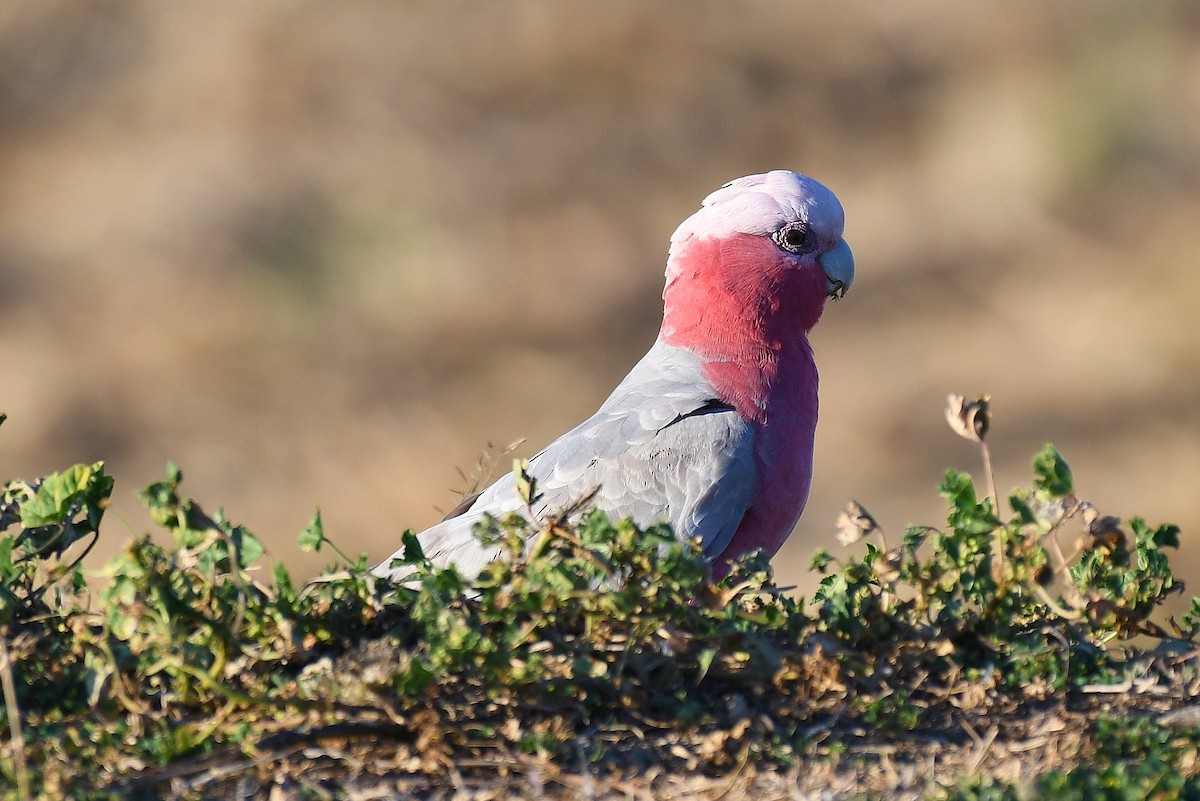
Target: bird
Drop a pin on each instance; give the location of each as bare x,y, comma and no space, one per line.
712,431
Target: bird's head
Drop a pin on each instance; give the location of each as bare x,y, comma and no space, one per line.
770,243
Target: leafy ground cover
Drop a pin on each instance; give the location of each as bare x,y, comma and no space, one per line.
1013,652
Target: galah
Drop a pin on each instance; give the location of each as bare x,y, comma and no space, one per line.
712,431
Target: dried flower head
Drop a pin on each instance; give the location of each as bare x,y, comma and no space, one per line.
1106,532
887,567
969,419
854,523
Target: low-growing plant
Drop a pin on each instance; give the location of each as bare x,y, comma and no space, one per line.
1132,760
999,590
587,641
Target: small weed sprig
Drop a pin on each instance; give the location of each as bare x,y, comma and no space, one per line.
995,589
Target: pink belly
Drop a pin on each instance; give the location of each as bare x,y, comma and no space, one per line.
783,454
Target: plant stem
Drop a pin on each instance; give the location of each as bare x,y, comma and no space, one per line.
16,736
997,545
991,477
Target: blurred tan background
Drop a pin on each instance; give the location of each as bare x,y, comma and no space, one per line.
320,254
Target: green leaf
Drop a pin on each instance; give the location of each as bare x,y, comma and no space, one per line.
820,561
1191,618
1021,509
704,662
6,558
249,546
162,499
1165,536
526,485
1052,475
968,515
284,587
61,495
915,536
413,552
313,536
959,490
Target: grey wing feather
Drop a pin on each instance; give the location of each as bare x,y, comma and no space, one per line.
696,473
661,448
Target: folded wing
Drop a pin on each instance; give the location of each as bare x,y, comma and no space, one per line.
656,451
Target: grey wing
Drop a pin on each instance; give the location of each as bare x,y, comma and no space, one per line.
697,473
694,470
661,448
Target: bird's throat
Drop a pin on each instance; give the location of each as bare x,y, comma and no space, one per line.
745,310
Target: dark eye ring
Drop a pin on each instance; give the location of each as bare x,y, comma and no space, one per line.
792,237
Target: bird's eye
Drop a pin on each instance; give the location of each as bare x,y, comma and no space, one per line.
792,237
